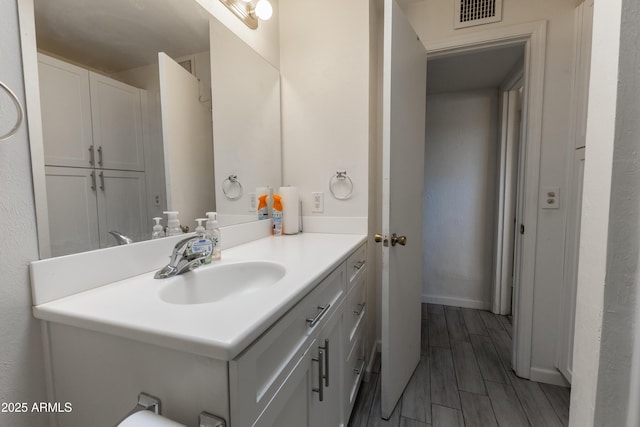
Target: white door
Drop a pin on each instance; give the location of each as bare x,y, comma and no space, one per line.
73,212
122,205
404,104
188,143
66,113
116,111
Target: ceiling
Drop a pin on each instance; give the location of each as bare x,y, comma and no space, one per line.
116,35
470,71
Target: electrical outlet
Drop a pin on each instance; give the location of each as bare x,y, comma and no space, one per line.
550,197
156,200
317,201
253,202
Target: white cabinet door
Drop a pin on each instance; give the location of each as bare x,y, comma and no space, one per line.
290,406
122,205
117,124
66,113
73,215
329,347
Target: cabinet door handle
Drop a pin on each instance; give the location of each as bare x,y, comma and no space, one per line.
92,156
93,180
320,389
322,312
102,181
100,155
326,362
360,309
361,368
359,264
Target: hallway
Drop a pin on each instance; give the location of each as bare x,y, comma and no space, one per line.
464,379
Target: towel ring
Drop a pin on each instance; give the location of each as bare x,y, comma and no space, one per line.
20,118
341,179
232,188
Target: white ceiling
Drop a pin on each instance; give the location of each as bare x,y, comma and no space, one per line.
471,71
116,35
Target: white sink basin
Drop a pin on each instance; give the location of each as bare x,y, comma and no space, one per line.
216,282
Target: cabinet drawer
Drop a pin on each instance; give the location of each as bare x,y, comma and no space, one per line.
356,309
259,371
356,264
354,372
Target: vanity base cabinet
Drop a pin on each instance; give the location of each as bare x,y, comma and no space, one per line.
101,375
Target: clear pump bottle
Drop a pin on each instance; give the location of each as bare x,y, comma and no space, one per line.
158,229
173,223
213,232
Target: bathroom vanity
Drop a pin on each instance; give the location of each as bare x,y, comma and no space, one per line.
286,350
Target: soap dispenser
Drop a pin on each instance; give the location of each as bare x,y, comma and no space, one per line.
200,229
173,223
213,232
158,229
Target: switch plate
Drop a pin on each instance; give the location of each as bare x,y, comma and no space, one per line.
317,201
253,202
550,197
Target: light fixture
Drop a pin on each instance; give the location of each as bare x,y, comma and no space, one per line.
249,11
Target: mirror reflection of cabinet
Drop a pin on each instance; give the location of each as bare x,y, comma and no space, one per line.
92,131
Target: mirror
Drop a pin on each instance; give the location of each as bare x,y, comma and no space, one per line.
112,66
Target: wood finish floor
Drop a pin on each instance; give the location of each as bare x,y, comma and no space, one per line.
464,379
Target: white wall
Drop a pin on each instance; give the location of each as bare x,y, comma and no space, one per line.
265,39
460,197
433,21
601,129
21,358
324,66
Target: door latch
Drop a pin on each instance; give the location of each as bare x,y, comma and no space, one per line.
380,238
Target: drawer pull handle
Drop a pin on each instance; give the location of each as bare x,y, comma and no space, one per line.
320,389
360,309
326,362
361,368
92,156
322,312
100,155
359,264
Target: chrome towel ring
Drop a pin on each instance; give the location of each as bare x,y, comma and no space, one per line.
232,188
20,117
341,185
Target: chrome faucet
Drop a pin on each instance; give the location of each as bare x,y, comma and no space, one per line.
187,254
121,238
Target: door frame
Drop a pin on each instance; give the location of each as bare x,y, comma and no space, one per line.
533,37
505,244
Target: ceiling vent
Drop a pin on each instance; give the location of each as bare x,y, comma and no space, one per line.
477,12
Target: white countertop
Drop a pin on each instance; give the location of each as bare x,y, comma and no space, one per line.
132,307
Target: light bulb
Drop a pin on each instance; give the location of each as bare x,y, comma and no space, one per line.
264,10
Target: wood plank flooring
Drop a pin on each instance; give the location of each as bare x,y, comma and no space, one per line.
464,379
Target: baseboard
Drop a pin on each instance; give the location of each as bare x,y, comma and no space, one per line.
456,302
548,376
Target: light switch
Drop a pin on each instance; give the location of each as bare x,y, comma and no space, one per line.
253,202
317,201
550,197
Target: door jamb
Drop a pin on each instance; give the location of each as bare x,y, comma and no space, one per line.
533,36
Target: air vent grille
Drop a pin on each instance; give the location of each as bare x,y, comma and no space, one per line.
476,12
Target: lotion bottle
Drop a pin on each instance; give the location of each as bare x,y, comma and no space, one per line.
212,230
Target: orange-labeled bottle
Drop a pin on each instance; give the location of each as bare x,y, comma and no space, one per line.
277,215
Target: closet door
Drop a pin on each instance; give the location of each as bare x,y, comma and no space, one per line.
117,124
122,205
66,113
73,214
